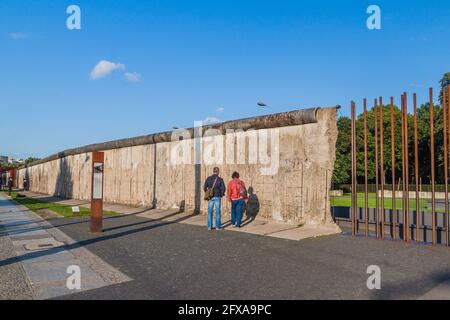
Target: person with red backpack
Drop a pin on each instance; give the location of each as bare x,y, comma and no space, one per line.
237,194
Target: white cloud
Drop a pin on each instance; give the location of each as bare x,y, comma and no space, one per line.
220,110
132,76
211,120
104,68
17,35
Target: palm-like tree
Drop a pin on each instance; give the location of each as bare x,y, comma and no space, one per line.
444,82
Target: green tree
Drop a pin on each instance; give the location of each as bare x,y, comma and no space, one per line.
342,174
342,167
445,80
445,83
30,160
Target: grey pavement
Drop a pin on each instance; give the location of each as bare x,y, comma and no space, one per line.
41,255
172,260
14,283
165,258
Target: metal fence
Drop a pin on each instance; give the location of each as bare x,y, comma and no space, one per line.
403,224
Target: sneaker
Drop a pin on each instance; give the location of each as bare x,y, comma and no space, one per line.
209,229
218,228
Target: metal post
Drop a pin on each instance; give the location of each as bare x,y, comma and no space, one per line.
416,167
394,213
433,204
354,194
382,168
444,109
447,217
366,193
406,170
403,168
376,169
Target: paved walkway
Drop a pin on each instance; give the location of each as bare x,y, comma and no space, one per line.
173,260
259,226
14,283
44,254
170,259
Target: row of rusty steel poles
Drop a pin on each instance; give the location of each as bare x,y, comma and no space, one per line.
380,218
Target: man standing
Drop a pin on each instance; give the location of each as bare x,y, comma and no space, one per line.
10,185
216,187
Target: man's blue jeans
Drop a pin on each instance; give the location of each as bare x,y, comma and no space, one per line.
236,212
215,202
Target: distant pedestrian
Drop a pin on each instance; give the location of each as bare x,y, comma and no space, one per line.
237,194
214,188
10,185
25,184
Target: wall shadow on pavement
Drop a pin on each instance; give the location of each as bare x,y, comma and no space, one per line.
414,287
84,220
86,242
142,222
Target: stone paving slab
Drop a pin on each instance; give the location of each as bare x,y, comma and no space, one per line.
14,283
258,226
46,267
306,231
56,256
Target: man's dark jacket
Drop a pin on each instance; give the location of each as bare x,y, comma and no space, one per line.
219,187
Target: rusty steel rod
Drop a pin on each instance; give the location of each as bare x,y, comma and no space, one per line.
366,191
447,217
416,167
403,161
376,169
382,218
433,200
354,197
444,110
406,169
394,213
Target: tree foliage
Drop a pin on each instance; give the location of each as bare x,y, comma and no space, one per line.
342,173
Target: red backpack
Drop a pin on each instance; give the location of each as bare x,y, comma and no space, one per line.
237,189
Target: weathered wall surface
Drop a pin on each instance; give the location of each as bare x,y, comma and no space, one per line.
296,190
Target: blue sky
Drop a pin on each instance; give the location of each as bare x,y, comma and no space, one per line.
192,58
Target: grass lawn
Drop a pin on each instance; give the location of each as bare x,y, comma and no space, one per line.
346,201
62,209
